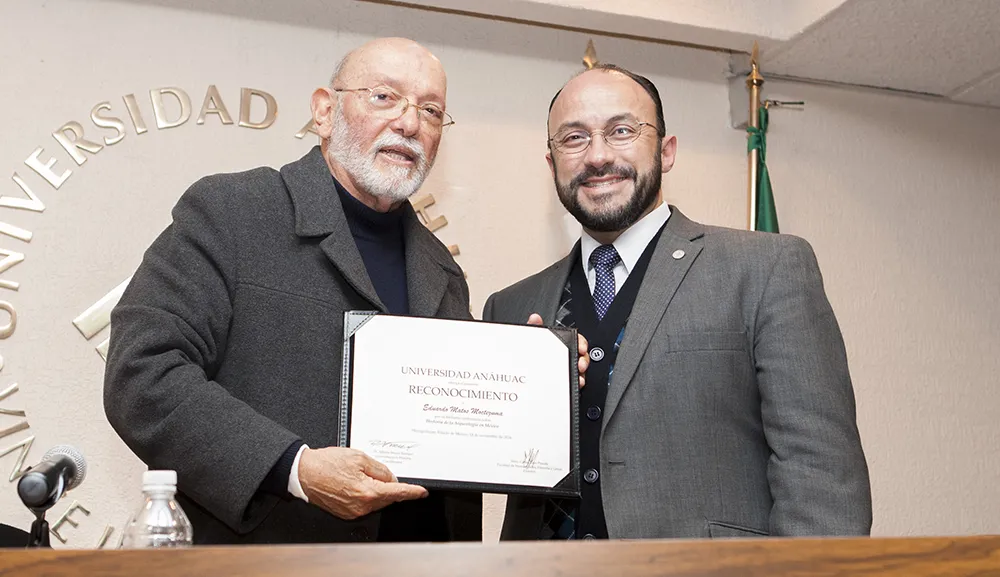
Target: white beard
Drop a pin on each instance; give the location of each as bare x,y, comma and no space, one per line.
395,183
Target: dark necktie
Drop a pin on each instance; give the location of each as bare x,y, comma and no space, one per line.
603,259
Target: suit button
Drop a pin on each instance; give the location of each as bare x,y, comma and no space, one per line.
591,476
360,534
596,354
594,413
589,537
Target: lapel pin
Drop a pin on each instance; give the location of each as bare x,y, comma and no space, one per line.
678,254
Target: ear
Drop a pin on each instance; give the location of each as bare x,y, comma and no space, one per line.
548,159
323,102
668,153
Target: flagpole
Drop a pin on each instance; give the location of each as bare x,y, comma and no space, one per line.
754,82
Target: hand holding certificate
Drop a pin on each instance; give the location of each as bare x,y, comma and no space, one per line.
349,484
583,348
463,404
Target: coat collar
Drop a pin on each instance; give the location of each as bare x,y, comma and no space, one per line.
319,213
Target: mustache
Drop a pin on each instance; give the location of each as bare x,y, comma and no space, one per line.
607,170
391,139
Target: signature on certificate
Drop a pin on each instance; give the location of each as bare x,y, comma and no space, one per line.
530,458
378,444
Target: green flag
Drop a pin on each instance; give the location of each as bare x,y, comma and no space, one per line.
767,215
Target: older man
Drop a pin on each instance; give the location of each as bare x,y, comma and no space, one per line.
719,402
225,353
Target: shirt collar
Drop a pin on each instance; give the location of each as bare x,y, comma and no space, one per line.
631,243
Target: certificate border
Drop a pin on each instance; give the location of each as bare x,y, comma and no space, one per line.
568,486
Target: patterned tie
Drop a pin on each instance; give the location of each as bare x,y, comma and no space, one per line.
603,259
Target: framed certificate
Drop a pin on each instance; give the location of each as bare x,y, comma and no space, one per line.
450,404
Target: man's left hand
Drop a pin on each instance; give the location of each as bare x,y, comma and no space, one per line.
584,361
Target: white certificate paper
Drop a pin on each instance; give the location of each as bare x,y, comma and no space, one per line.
463,402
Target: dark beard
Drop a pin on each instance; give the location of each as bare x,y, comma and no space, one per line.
644,194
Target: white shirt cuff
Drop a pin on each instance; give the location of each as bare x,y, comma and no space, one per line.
294,487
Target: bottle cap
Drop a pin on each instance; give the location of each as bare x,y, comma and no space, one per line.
159,478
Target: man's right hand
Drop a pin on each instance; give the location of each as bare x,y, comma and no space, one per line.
349,484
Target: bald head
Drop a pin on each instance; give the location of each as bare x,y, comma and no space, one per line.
617,73
385,58
381,119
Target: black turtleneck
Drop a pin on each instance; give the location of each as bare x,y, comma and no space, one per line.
379,236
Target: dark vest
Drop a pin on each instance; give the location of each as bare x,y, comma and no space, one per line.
604,337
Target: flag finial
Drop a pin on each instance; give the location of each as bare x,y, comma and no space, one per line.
590,56
754,78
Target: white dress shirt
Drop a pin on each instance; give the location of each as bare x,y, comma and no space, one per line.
294,487
630,246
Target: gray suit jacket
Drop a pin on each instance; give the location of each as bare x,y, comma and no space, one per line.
731,410
226,346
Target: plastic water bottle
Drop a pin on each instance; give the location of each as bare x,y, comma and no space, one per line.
160,522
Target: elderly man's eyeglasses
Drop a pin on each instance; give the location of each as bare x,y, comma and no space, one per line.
619,135
385,102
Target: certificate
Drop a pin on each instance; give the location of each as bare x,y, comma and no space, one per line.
469,405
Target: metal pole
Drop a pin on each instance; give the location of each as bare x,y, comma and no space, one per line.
754,82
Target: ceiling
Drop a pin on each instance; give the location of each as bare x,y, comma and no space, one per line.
949,49
944,49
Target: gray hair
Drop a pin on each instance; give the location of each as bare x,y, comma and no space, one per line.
340,67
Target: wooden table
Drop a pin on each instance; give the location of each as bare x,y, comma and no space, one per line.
913,557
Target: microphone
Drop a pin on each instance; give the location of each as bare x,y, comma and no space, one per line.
62,468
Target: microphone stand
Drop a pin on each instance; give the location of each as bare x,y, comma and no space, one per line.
41,487
39,531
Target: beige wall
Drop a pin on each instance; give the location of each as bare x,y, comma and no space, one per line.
901,200
897,196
